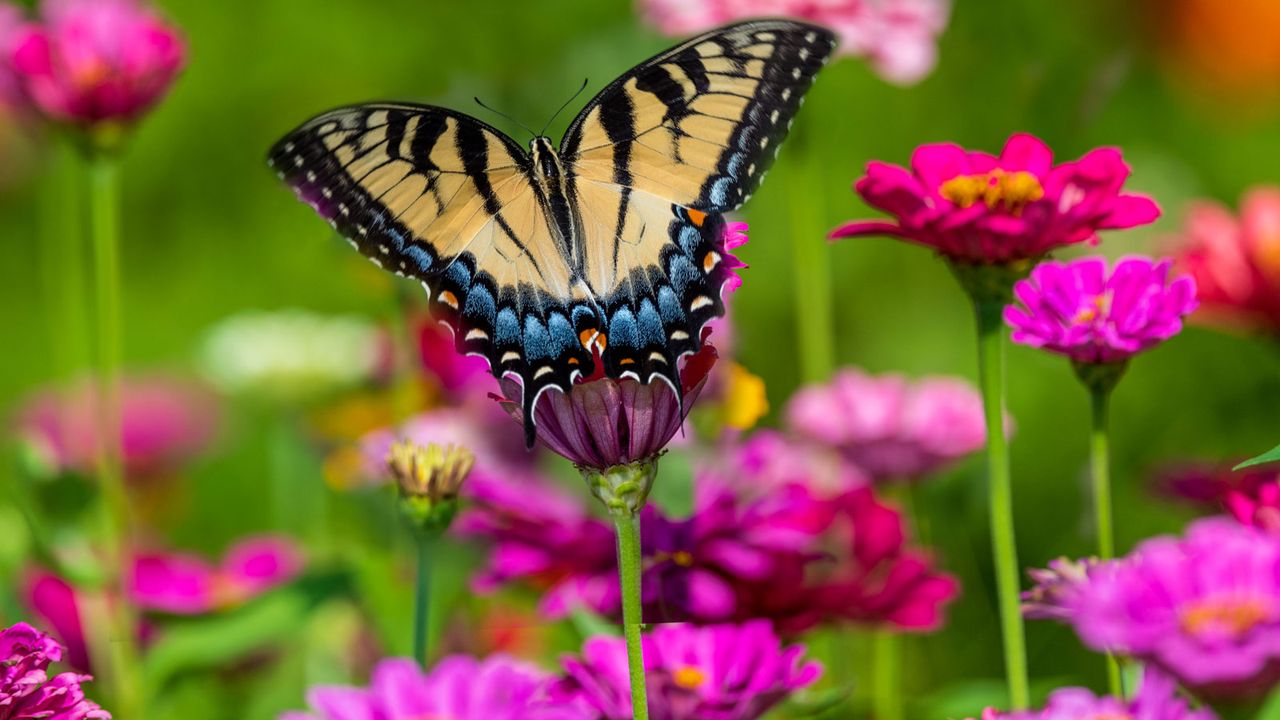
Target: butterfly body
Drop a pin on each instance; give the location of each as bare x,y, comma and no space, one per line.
606,254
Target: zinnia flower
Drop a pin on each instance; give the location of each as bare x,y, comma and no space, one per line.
728,672
92,62
1053,597
164,422
11,21
1157,698
1235,260
457,688
187,584
1080,310
899,37
1256,501
977,209
27,691
1205,608
55,602
457,374
293,356
888,426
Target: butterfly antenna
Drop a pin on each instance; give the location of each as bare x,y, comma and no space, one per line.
502,114
565,105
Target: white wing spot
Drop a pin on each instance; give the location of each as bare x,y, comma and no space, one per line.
297,160
656,356
751,169
773,116
311,176
362,230
384,249
510,356
477,335
764,142
326,192
804,53
699,302
810,36
544,370
679,335
786,93
796,73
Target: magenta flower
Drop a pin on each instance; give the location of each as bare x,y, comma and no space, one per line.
541,536
458,374
55,601
1080,310
1257,503
767,461
898,37
26,690
978,209
603,422
186,584
727,672
1205,608
97,61
1053,597
1157,698
11,23
456,688
165,422
890,427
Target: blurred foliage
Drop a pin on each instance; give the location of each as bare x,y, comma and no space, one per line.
210,232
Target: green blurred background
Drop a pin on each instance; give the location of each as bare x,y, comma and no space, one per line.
210,232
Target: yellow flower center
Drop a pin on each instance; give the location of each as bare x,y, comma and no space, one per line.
1011,190
689,678
1234,616
682,558
1098,306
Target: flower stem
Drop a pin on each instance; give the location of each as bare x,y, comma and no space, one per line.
62,258
104,211
1100,469
887,698
628,528
1004,546
422,599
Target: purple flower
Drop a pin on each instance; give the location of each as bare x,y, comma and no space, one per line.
1205,608
888,426
725,672
604,422
1054,595
978,209
97,61
1156,699
1080,310
189,585
457,688
26,690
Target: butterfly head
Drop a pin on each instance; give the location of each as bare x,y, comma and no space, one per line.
546,162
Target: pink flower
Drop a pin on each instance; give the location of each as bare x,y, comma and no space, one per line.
54,601
97,61
888,426
768,461
1256,502
1204,608
458,374
978,209
1157,698
1236,260
727,672
1054,595
11,22
165,421
603,422
1080,310
189,585
27,691
456,688
899,37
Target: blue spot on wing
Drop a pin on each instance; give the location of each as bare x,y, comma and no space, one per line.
421,258
507,328
622,329
537,341
651,332
669,305
480,304
682,274
562,336
689,239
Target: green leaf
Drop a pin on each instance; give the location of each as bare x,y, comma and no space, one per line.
1270,456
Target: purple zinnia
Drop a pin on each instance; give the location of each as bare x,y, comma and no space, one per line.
1093,316
726,672
1157,699
458,688
1054,594
27,691
1205,608
888,426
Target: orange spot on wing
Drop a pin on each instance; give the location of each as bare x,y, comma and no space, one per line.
626,361
449,299
697,216
573,361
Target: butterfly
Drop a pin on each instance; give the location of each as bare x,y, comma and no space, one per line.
606,252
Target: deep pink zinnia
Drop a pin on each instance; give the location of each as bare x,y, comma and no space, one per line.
27,691
1093,316
979,209
91,62
1204,607
727,672
1257,503
164,422
888,426
187,584
1235,260
898,37
1157,698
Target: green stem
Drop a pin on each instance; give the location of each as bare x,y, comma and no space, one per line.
104,209
1100,469
812,267
62,259
422,599
628,529
1004,547
887,700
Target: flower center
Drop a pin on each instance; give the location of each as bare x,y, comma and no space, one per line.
1108,715
689,678
1011,190
1094,308
90,75
1266,254
1232,616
